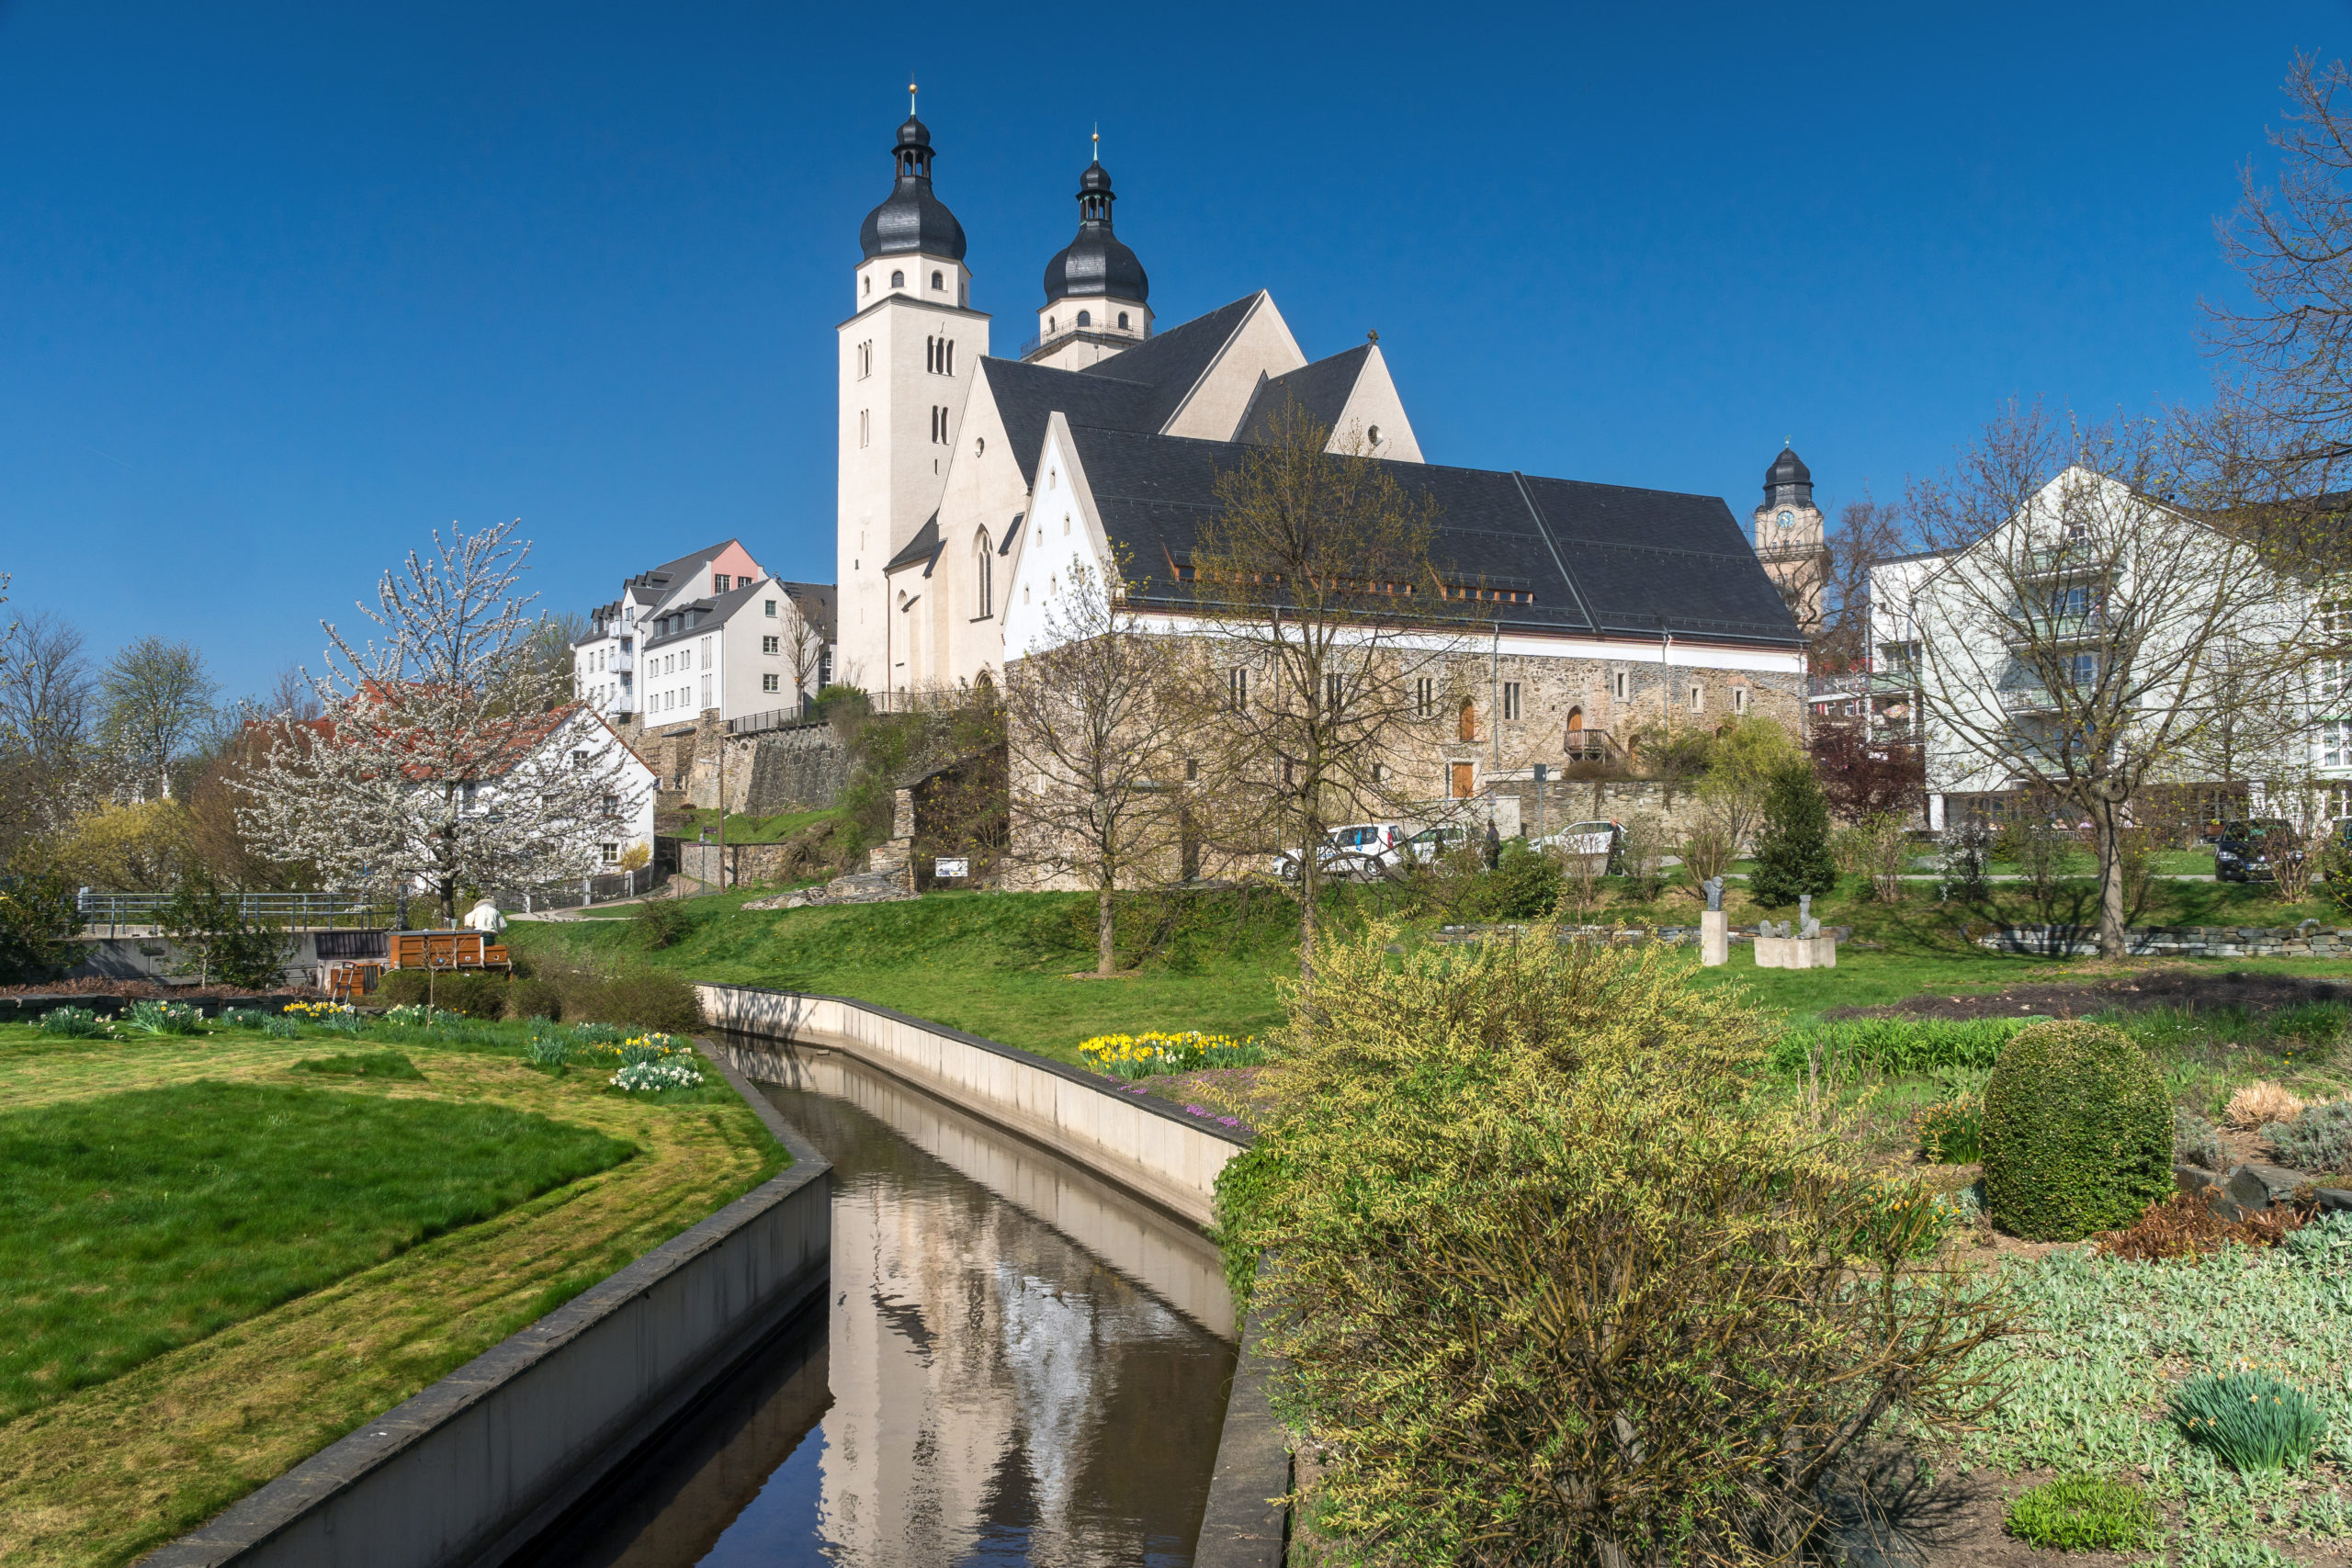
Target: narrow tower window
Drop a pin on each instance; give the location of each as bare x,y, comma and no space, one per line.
1086,318
983,576
938,281
1122,320
898,280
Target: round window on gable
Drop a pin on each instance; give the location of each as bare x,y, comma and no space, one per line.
979,445
1373,436
898,280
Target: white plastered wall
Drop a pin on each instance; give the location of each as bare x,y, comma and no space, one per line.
1062,532
1375,405
1261,345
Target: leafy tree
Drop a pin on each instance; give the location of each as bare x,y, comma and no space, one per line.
1743,760
38,921
1865,776
1793,854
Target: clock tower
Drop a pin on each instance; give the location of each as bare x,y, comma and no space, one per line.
1789,537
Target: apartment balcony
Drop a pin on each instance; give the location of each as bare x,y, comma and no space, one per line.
2027,700
2059,563
2050,631
621,661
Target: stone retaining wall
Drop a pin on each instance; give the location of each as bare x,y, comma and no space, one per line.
2307,941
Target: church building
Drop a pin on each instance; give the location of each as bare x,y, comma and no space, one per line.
970,480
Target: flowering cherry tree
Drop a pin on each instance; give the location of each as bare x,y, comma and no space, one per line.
448,756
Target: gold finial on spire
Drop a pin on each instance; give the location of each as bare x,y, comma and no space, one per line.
911,97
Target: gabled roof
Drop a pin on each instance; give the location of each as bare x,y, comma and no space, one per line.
1139,388
1597,559
1321,391
717,609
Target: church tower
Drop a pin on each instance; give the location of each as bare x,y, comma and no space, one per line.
1095,289
1789,537
908,356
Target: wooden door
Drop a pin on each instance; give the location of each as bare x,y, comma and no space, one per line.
1461,780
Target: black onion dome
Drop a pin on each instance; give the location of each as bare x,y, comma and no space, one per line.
1788,469
912,218
1095,262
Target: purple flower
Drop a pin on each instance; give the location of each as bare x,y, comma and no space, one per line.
1140,1088
1230,1120
1194,1110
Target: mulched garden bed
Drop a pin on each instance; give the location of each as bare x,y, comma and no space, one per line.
2128,993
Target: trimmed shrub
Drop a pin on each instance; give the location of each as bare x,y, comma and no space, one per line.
2320,1139
2084,1513
2077,1133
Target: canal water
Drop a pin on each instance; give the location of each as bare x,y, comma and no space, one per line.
1018,1363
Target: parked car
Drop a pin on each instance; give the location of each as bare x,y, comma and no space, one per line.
2241,851
1360,852
1432,843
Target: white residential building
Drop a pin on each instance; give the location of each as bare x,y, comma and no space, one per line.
710,632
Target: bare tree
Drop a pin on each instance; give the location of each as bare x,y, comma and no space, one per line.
1324,614
1095,721
804,649
158,699
449,755
2073,641
2287,403
45,687
1867,531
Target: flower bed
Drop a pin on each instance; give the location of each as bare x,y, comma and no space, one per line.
1152,1053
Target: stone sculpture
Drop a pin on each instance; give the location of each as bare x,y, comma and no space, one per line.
1714,886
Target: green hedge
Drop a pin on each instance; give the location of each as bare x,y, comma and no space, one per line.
2077,1133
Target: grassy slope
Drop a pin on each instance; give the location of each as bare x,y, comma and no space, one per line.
995,963
1000,964
110,1470
743,830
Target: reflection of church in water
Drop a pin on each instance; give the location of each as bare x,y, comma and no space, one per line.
998,1378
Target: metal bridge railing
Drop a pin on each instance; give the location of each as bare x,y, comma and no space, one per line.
304,911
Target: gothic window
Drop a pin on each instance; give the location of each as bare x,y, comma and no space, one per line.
865,427
984,575
937,281
1086,318
866,359
898,280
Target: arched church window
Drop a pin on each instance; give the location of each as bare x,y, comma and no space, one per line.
983,576
1122,318
938,280
1086,318
898,280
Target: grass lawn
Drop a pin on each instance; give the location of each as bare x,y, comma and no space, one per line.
221,1261
741,830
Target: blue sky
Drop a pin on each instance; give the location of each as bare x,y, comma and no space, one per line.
283,287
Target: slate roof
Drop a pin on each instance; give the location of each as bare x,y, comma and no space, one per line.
716,609
818,604
1321,390
1598,559
1138,388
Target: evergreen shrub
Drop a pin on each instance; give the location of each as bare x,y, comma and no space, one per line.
2077,1133
1792,856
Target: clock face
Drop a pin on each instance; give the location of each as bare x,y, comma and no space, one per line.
1786,519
